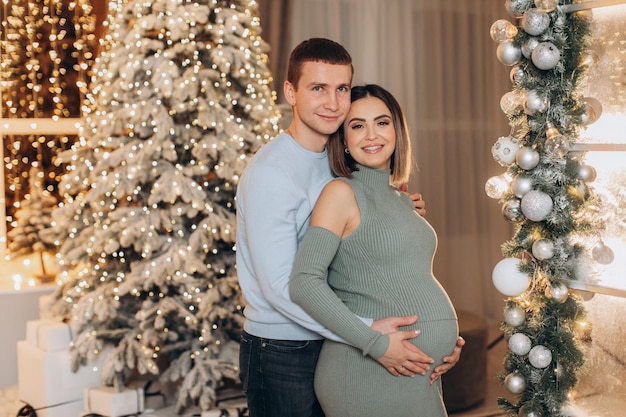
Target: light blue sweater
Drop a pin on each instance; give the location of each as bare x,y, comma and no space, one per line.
275,198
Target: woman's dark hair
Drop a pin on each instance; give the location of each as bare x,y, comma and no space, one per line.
342,163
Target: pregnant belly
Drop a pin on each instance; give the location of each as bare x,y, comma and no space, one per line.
437,338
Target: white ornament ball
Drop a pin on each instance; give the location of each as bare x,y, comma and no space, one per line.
536,205
528,46
527,158
586,173
508,279
514,316
508,54
505,149
497,186
543,249
535,22
515,383
512,211
520,344
557,291
546,56
521,185
534,103
602,253
540,357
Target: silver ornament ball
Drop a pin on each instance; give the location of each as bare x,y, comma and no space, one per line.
517,74
521,185
527,158
557,291
543,249
516,8
535,22
528,46
512,211
546,56
514,316
536,205
520,344
593,110
534,103
540,357
515,383
508,54
586,173
602,253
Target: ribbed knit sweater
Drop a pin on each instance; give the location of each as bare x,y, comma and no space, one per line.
382,269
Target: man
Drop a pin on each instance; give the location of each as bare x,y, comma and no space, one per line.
275,197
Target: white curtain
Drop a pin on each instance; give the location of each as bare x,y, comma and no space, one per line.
437,58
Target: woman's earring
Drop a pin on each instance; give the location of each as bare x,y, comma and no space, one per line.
346,151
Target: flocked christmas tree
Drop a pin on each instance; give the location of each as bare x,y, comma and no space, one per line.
546,193
33,216
181,97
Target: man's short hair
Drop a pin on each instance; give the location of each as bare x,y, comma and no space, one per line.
316,50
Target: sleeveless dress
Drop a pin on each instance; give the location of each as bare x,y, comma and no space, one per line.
383,269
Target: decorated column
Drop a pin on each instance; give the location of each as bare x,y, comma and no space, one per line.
545,192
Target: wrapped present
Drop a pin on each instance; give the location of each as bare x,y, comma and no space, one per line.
108,402
48,335
46,379
69,409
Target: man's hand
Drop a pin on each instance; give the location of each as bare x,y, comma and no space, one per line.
448,361
402,357
418,201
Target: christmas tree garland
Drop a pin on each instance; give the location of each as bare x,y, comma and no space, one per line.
545,193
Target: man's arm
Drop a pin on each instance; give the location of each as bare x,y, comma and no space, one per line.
270,207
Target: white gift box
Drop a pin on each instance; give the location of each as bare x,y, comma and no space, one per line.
70,409
106,401
48,335
46,378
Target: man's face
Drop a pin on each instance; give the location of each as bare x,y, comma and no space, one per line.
322,98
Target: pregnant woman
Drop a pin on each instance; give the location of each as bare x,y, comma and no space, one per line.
377,254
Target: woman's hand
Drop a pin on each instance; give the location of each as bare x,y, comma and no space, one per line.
448,361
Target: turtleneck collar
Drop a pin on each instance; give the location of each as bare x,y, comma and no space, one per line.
372,177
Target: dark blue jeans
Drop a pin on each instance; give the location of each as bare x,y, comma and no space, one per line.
277,376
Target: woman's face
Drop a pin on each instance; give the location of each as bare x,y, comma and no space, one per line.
369,133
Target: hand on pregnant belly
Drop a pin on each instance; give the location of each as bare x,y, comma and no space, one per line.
448,361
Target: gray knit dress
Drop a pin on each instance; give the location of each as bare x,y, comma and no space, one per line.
383,269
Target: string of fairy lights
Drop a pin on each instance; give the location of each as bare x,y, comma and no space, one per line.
46,50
